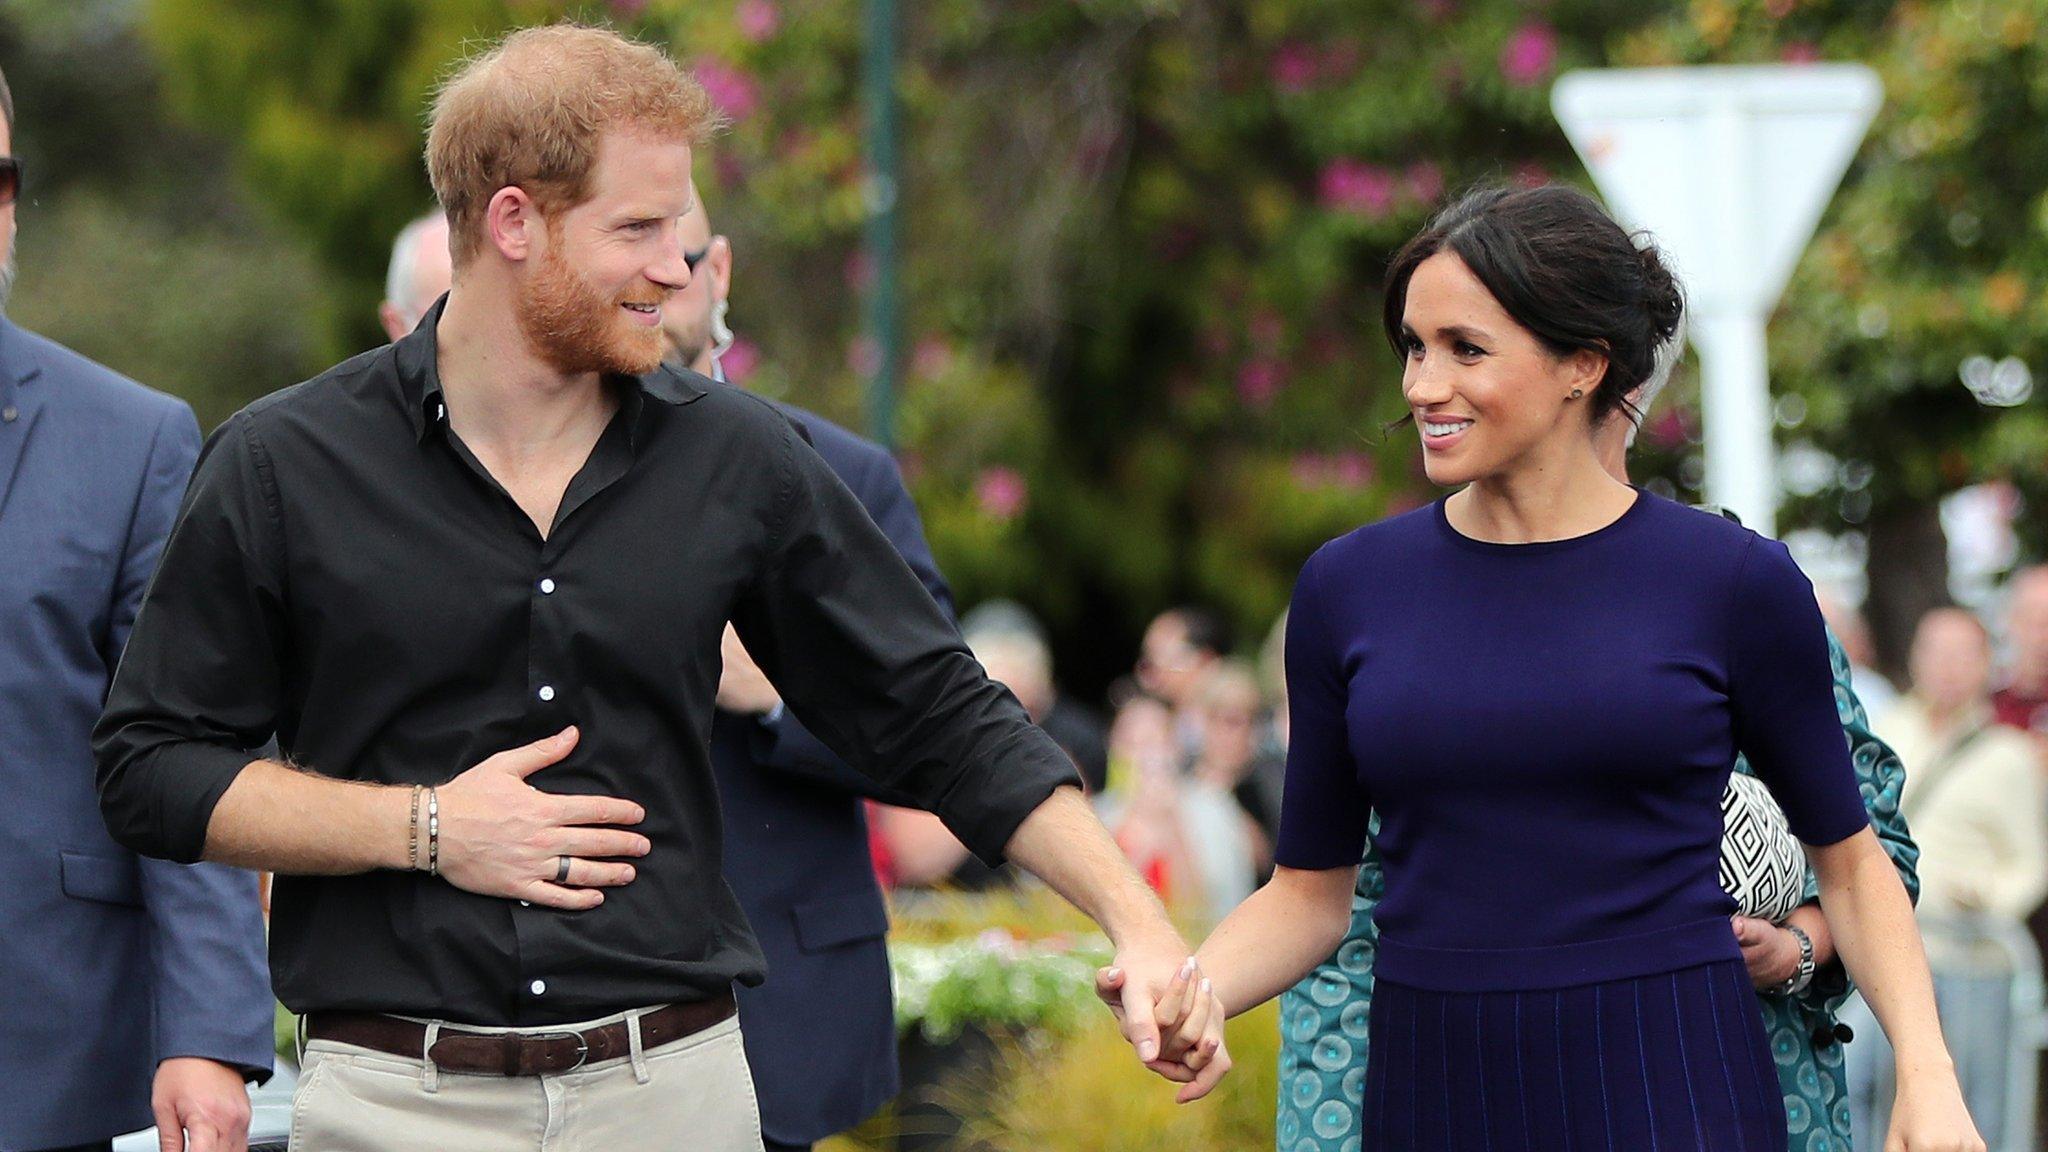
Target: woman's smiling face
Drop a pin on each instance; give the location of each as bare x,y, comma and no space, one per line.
1487,395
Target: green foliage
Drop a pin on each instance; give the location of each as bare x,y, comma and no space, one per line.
133,247
1936,249
1144,241
212,316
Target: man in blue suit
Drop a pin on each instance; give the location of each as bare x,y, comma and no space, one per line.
135,990
820,1034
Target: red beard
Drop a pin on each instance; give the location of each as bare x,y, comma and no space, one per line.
577,329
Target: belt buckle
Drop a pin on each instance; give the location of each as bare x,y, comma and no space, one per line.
582,1045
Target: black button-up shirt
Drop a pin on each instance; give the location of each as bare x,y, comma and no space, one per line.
347,577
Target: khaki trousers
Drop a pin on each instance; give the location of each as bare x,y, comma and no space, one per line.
693,1095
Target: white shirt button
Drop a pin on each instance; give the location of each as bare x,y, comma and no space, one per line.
547,692
547,587
539,987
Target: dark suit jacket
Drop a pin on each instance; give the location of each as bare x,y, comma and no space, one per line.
109,963
821,1032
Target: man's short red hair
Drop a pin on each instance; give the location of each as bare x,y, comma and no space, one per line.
530,110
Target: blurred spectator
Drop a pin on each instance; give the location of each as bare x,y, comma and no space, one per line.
918,850
1231,713
1181,647
1973,799
417,276
1187,835
1973,794
1011,645
1877,693
1273,681
2023,700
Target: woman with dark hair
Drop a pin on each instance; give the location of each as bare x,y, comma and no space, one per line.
1540,684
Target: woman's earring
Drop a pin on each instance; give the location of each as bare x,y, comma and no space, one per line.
1578,392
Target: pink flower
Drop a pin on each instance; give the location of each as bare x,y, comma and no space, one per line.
1425,181
1355,186
1529,54
864,356
1309,470
1354,469
932,358
1800,52
1530,174
731,89
1294,67
1001,492
740,359
1667,429
758,19
1258,382
628,9
1435,9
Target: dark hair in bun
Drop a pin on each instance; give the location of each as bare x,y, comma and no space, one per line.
1563,269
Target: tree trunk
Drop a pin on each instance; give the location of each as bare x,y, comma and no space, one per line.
1908,573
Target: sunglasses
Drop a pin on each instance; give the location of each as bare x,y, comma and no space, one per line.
10,180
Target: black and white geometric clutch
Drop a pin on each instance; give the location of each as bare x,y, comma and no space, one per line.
1762,865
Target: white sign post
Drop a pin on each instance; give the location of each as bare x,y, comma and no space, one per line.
1729,168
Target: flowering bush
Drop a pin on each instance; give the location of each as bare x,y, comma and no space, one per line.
1143,242
997,982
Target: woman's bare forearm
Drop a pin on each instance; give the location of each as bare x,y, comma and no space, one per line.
1278,935
1874,933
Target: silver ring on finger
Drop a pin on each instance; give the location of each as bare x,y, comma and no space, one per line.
561,870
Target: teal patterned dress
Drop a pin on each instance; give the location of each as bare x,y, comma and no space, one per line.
1323,1019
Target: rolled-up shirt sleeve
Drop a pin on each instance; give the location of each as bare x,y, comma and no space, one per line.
868,662
198,686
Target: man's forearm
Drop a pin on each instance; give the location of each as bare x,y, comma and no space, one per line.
282,819
1063,844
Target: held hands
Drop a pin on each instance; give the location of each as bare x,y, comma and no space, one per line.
1170,1015
200,1106
500,836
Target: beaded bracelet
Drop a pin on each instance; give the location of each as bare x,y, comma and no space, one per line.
412,836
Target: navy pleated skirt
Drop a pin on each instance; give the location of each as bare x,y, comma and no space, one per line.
1675,1062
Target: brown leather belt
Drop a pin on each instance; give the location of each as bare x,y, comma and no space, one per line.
540,1052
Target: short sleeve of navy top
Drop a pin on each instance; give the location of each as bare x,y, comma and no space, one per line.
1546,730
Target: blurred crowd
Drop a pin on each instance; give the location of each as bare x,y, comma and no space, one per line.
1185,768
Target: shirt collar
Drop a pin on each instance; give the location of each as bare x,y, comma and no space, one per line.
417,359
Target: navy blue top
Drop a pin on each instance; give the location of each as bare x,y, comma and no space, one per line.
1546,730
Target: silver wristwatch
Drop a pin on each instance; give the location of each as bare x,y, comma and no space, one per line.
1803,978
